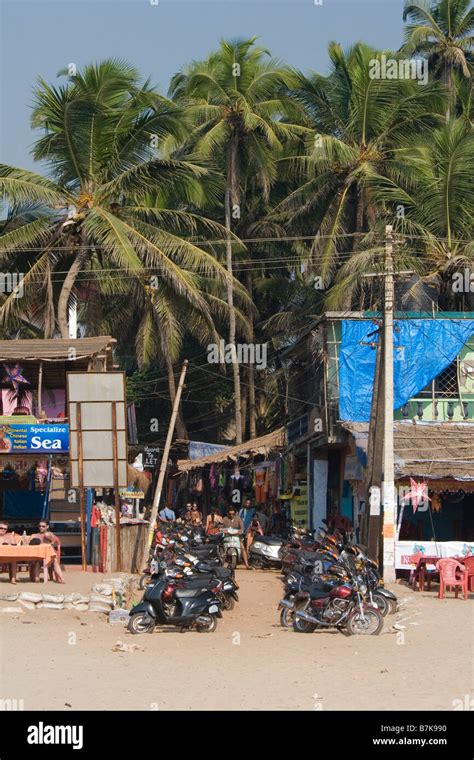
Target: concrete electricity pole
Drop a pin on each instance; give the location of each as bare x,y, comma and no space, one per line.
388,484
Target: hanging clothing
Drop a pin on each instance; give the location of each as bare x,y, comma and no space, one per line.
213,476
260,486
236,490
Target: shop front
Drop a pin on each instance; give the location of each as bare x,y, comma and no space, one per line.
35,473
434,479
252,470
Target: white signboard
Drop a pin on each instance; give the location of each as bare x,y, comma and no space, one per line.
98,429
407,553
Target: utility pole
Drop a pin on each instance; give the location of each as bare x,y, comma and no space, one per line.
388,483
164,462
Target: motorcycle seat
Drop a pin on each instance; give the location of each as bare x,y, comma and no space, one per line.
223,573
308,557
321,589
318,593
191,591
269,540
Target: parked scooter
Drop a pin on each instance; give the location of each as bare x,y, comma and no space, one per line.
231,547
266,552
169,602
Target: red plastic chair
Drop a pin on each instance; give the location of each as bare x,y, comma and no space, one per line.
468,563
452,575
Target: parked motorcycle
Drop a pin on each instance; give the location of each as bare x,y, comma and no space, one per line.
333,602
169,602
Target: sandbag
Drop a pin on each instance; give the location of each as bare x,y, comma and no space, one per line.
12,610
8,597
103,588
27,605
53,606
30,596
55,598
95,607
100,599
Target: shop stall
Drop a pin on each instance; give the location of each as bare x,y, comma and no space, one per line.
228,477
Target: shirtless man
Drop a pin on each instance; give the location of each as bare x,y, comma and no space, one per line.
46,537
10,538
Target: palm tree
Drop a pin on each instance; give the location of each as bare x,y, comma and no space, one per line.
236,102
432,178
443,31
102,131
357,123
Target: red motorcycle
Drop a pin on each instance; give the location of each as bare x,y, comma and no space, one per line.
338,601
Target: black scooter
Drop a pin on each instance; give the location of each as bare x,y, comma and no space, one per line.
186,605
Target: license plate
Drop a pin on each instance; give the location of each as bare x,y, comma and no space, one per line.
213,609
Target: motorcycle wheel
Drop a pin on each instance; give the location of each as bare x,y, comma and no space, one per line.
229,602
303,626
141,623
287,617
232,560
370,625
144,581
392,606
208,627
382,604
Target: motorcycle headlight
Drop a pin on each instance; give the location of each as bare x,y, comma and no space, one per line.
258,545
363,588
292,579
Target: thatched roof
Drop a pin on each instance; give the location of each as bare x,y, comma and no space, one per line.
257,446
54,349
429,450
137,479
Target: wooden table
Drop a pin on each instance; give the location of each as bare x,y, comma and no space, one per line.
40,553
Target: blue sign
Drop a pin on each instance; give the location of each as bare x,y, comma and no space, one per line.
34,439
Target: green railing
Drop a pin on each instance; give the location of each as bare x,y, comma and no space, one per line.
438,410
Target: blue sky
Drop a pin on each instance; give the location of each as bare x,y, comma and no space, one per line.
39,38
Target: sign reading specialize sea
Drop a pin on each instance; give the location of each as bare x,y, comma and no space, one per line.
34,439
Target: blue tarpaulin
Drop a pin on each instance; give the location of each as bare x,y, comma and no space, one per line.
198,449
422,348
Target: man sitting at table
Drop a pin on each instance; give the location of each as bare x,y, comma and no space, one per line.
9,538
45,536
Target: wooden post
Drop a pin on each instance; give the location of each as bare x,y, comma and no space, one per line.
82,510
164,462
118,548
40,390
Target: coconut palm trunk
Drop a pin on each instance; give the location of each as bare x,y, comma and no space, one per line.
66,290
231,196
251,369
180,425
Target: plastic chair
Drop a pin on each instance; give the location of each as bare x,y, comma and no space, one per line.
468,563
452,575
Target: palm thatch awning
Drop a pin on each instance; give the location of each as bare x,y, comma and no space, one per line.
256,447
137,479
54,349
58,356
429,450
